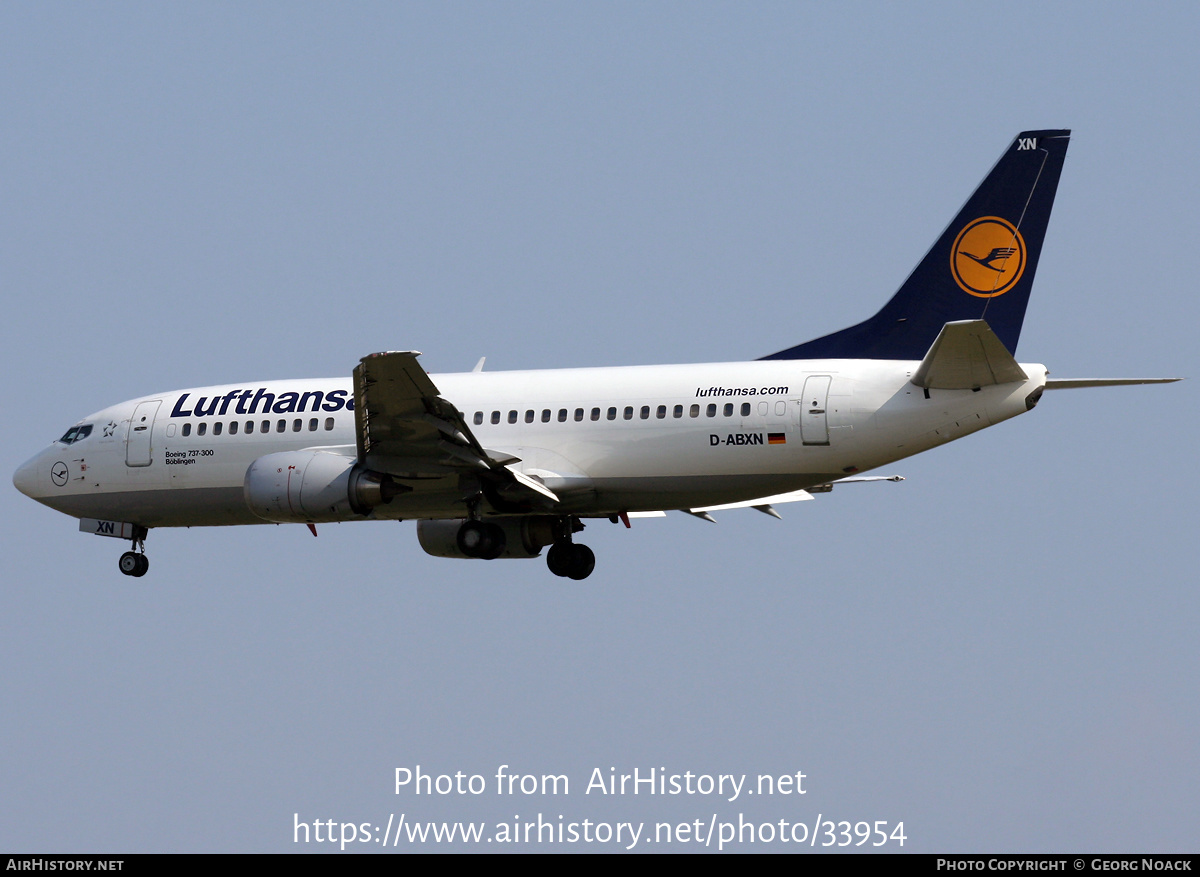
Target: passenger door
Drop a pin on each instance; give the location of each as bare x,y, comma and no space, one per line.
138,444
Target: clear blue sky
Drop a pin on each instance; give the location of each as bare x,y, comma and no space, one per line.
1000,652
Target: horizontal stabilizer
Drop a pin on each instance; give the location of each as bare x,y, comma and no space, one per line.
1076,383
966,355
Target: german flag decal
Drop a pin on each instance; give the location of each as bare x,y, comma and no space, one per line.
776,438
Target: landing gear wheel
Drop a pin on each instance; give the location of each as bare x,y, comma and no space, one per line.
477,539
570,560
558,558
583,561
133,564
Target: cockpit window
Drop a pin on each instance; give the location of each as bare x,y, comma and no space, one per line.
76,434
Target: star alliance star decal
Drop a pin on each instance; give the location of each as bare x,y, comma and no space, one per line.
109,429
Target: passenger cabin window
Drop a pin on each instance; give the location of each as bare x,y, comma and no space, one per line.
562,415
187,430
512,417
645,415
312,425
595,414
495,417
201,428
711,410
249,427
612,413
694,411
217,428
281,425
478,418
545,415
529,416
678,412
578,414
233,427
328,424
745,409
661,412
729,409
629,412
265,426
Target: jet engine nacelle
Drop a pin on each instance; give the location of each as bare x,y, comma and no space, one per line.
314,486
524,536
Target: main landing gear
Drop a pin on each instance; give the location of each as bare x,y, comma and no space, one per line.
135,563
489,540
567,558
570,560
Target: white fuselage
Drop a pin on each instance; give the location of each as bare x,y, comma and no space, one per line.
605,440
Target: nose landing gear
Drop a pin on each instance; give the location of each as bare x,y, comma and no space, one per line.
135,563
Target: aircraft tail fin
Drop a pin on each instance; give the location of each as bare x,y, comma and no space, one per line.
982,265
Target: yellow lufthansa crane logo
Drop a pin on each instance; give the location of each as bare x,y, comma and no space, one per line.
988,257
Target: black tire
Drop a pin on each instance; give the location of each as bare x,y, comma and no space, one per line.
143,566
583,561
130,565
558,558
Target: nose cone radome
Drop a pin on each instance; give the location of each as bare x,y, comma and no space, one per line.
26,479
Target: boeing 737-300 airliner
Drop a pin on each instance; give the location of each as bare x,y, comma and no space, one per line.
504,464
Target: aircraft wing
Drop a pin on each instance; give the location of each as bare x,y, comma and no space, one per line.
766,504
405,428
